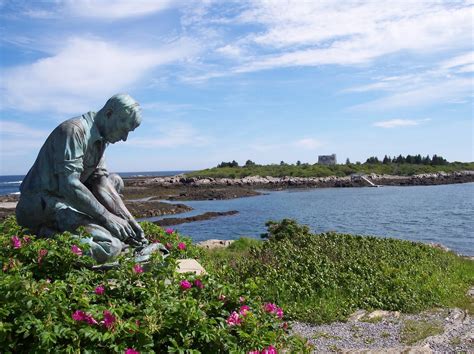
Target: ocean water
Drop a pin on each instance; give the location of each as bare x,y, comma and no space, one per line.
440,214
11,184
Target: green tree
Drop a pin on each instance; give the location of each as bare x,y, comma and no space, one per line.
372,159
249,163
400,159
438,160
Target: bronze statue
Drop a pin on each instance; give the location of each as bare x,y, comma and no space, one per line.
69,185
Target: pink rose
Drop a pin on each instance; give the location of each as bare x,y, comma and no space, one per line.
76,250
234,319
243,310
279,313
79,315
16,242
270,307
137,269
185,285
270,350
169,231
131,351
198,284
181,246
100,290
109,319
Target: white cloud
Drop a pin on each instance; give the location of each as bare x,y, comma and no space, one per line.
18,139
443,82
115,9
9,128
459,61
174,135
82,72
395,123
305,33
231,51
435,92
308,143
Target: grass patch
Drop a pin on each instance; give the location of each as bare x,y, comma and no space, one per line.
309,170
325,277
455,341
415,331
375,319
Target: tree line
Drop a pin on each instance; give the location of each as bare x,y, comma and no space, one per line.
436,160
410,159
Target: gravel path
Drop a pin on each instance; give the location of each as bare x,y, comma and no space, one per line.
447,330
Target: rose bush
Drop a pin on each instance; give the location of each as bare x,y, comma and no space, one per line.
52,299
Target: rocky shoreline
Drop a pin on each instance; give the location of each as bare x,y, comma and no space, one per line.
288,181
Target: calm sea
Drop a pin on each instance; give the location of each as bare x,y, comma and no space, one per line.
441,214
11,184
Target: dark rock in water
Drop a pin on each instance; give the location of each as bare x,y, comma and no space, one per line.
146,209
205,216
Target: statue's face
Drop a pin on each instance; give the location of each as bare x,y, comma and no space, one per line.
118,126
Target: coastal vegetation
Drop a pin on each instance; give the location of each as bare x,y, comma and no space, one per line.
51,300
50,297
400,165
325,277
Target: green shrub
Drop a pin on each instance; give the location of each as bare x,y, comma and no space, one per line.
53,301
304,170
325,277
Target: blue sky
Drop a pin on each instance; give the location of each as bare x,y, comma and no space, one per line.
224,80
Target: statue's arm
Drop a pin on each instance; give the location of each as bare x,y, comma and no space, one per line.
106,194
108,197
81,198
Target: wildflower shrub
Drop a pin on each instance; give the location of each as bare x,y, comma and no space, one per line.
51,299
325,277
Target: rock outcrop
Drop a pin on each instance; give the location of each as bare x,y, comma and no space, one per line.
287,181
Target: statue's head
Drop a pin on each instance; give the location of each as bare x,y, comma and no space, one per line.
122,114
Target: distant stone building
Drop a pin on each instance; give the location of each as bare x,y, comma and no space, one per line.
327,159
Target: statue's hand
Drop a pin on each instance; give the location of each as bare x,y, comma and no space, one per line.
119,227
139,234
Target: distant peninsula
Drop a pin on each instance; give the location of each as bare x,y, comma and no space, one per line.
409,165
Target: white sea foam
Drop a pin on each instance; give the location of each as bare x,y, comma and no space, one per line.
13,182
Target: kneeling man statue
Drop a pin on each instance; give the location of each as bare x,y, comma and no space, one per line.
69,186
